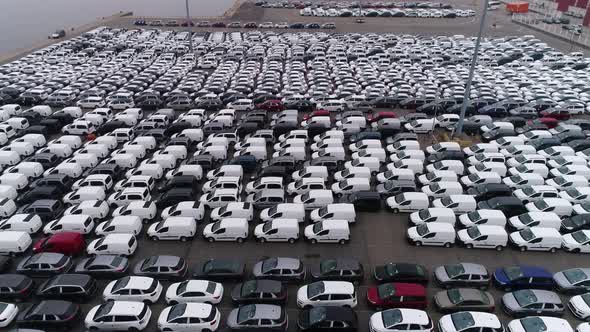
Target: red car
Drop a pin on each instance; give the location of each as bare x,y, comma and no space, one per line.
397,295
549,122
380,115
67,243
556,113
271,105
316,113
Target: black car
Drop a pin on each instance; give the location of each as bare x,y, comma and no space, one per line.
204,160
329,319
103,266
44,264
401,272
110,126
46,209
15,287
180,182
220,269
162,267
74,287
484,192
259,291
47,160
342,269
575,223
109,169
446,155
363,200
49,314
509,205
39,193
5,263
579,144
287,162
175,196
544,143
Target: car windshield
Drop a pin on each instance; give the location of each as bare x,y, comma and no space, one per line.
315,289
328,265
473,177
104,309
473,232
454,296
431,176
391,317
560,180
182,287
422,229
121,283
318,227
248,288
269,264
528,191
267,226
575,275
323,211
527,234
176,311
149,262
525,218
580,237
573,192
216,226
346,172
513,272
246,312
424,214
454,270
525,297
533,324
386,291
273,210
446,201
317,315
462,320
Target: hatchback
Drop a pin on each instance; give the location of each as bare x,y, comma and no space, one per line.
522,277
259,291
219,269
45,264
15,287
464,299
462,275
188,317
330,319
53,314
397,295
162,267
73,287
279,268
343,269
258,317
401,272
531,302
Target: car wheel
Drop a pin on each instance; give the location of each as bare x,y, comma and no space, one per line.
11,254
147,302
154,238
314,241
523,249
210,239
93,328
576,251
239,240
418,244
342,241
291,240
66,132
183,239
447,245
262,240
395,210
468,246
553,250
499,248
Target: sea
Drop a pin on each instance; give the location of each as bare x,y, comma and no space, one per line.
25,22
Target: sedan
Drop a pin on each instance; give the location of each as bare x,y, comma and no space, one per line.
401,272
103,266
531,302
463,299
573,281
259,291
162,267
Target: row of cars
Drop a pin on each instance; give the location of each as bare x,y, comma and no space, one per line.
236,25
386,12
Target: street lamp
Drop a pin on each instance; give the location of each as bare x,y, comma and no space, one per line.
188,25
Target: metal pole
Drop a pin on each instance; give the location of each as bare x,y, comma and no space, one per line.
472,70
188,25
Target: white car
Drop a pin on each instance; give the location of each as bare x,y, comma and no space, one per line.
133,288
544,323
399,320
8,312
314,294
469,320
579,305
578,241
118,316
200,291
189,317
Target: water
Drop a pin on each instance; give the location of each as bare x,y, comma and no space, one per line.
24,22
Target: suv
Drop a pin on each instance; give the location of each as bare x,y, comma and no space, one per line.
46,209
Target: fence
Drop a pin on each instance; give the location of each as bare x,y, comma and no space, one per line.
535,21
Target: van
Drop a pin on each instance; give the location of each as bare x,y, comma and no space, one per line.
166,161
113,244
299,133
328,231
84,194
32,170
298,153
7,207
526,159
437,176
18,123
222,182
536,238
124,160
435,214
277,230
484,236
329,134
304,185
227,229
408,202
61,150
315,199
479,158
236,210
535,219
326,143
120,224
85,160
194,134
359,121
378,153
341,211
26,222
351,185
24,149
580,170
284,211
517,150
483,217
144,209
173,228
250,141
432,234
259,152
152,170
396,174
442,189
311,172
9,158
560,206
67,243
413,164
14,242
509,205
456,166
219,197
488,166
96,209
372,163
290,143
365,144
480,148
266,198
334,151
402,146
408,154
225,170
70,169
148,142
80,223
458,203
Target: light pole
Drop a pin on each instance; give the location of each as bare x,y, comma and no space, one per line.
472,69
188,25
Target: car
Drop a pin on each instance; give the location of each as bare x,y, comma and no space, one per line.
522,277
44,264
280,268
579,306
258,317
327,293
15,287
189,317
470,320
219,269
160,267
333,319
397,295
259,291
72,287
201,291
118,315
50,314
400,272
542,323
462,275
572,281
103,266
531,302
463,299
8,312
133,288
400,320
343,269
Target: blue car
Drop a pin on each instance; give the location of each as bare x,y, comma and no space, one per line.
522,277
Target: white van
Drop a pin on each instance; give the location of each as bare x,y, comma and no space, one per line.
442,189
340,211
85,193
371,162
456,166
173,228
315,199
311,172
329,134
72,170
432,234
517,150
234,210
414,164
480,148
408,154
437,176
326,143
113,244
335,151
491,166
222,182
484,236
420,126
25,222
191,209
459,203
349,186
290,143
535,219
433,215
328,231
353,172
80,223
580,170
537,238
32,170
217,151
9,158
396,174
24,149
560,206
284,211
14,242
403,145
213,141
365,144
194,134
259,152
277,230
7,207
526,159
250,141
61,150
120,224
483,217
408,202
299,133
225,170
149,142
227,229
304,185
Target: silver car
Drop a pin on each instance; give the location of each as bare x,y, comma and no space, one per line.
279,268
529,302
573,281
462,275
263,317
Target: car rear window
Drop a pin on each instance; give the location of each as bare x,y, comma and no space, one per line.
131,242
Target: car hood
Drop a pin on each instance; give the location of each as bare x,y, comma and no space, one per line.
510,302
500,276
